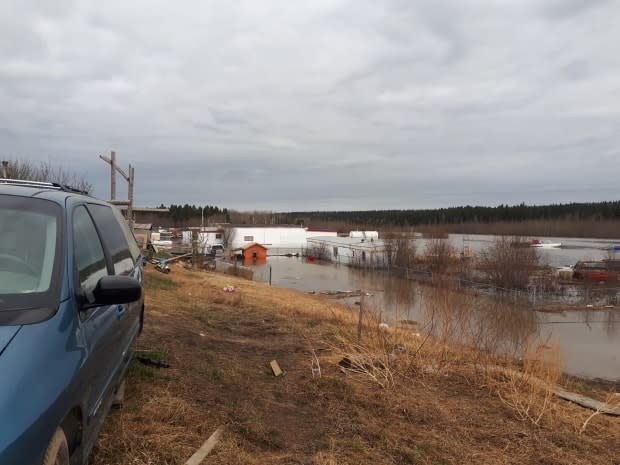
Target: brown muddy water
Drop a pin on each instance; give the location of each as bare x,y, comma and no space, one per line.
589,340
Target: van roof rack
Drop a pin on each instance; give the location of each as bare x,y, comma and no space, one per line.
42,185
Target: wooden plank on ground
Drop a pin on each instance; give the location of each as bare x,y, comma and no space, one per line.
206,448
275,368
587,402
578,399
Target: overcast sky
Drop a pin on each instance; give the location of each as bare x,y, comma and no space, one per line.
286,105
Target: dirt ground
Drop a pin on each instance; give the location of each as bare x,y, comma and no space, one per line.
218,346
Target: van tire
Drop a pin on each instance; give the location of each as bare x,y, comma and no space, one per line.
57,452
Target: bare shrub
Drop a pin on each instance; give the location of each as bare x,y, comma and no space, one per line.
529,391
240,271
46,172
399,251
509,262
319,251
369,364
439,254
227,237
612,401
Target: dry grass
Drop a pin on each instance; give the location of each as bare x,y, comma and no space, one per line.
431,408
528,389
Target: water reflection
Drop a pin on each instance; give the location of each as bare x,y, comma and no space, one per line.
461,317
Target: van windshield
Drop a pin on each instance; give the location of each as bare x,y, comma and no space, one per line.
30,230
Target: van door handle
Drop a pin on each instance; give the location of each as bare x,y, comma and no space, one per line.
120,311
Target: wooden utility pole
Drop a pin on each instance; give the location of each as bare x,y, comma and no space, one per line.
129,177
130,196
112,175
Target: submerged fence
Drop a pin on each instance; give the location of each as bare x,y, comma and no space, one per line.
541,293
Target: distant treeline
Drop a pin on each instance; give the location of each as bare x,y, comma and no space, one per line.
184,214
595,211
596,219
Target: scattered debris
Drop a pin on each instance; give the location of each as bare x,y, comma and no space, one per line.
150,362
163,264
275,368
316,366
342,294
353,362
119,397
399,348
229,289
206,448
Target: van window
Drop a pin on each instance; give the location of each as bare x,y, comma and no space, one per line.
113,238
134,248
88,251
29,246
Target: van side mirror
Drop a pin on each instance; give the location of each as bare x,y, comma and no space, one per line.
116,290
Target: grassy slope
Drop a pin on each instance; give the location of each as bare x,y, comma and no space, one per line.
219,346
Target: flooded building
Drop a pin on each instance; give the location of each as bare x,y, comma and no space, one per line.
272,237
359,250
250,254
276,237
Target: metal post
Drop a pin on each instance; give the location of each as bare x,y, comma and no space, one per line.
270,275
112,175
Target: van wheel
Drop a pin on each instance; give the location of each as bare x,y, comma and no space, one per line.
57,452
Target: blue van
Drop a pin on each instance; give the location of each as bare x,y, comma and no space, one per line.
71,305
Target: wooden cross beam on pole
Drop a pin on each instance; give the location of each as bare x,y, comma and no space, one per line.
129,177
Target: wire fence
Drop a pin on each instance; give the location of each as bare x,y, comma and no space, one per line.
541,292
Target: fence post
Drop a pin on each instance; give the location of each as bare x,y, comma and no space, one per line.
359,321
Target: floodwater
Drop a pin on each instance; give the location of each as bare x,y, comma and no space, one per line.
589,340
571,251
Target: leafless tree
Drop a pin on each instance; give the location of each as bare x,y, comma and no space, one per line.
227,236
46,172
439,253
509,262
399,251
319,251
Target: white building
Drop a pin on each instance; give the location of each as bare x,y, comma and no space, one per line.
320,232
354,251
281,238
367,235
208,237
272,237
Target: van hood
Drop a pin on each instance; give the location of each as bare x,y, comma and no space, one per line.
7,333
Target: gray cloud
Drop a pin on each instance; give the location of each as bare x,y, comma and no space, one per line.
326,104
